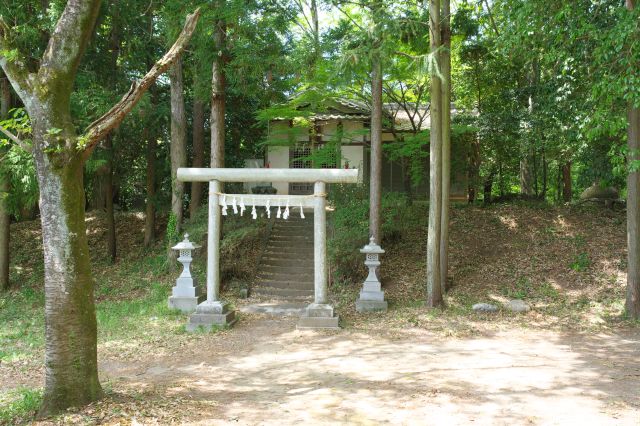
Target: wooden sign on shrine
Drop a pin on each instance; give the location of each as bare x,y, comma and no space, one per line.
215,312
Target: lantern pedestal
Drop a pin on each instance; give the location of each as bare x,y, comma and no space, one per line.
371,296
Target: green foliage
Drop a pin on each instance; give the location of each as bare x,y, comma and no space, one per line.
19,405
349,227
581,262
172,235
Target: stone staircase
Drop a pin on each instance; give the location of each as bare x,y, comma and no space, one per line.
286,268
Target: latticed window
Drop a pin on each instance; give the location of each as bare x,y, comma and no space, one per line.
299,156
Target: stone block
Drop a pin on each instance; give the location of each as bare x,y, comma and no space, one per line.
318,315
185,304
306,322
371,305
319,310
207,322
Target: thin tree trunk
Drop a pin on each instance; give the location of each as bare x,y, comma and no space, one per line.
178,143
111,221
150,210
487,189
5,188
149,136
406,179
633,217
375,178
198,154
434,287
567,191
71,372
114,45
445,66
218,85
545,173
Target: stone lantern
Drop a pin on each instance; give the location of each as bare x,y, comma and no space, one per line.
371,296
186,293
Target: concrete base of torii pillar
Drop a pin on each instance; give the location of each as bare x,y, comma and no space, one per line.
211,315
318,315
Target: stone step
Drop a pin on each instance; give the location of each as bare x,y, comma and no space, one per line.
292,233
291,238
300,272
289,247
286,261
301,254
283,275
296,285
282,292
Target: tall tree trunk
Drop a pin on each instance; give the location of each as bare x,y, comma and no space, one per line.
527,170
375,172
434,280
5,188
111,220
567,191
114,46
487,189
150,208
71,371
178,143
218,85
198,154
445,67
633,217
633,210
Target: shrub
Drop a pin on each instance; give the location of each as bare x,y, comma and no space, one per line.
349,227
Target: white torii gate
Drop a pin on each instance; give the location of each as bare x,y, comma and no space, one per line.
215,312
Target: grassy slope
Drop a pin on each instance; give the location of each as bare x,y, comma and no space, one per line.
569,264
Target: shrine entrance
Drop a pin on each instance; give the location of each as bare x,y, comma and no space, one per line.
215,312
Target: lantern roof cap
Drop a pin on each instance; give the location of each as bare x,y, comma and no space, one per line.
185,244
372,247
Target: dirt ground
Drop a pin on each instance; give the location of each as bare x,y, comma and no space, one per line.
571,360
265,372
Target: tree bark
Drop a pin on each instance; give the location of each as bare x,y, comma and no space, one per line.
150,208
114,47
567,190
218,85
633,217
375,178
198,155
5,188
445,66
632,305
70,328
178,142
434,280
111,220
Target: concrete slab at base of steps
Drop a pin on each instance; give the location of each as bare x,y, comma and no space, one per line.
295,285
269,259
286,293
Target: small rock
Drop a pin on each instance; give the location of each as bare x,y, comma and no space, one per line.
517,305
484,307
